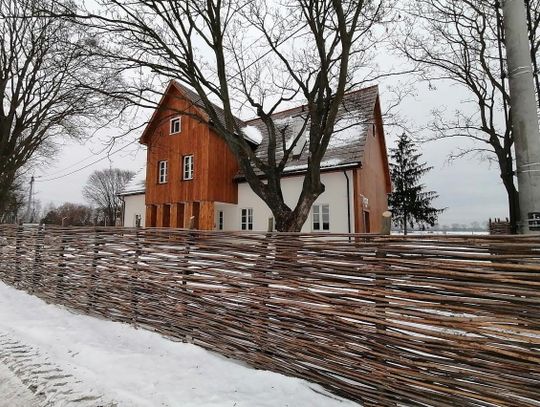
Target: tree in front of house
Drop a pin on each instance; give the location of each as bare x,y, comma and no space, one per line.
102,189
69,214
409,202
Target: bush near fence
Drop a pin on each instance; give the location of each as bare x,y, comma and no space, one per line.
384,320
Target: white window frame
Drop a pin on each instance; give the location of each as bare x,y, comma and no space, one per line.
172,127
246,219
162,171
220,220
188,167
318,214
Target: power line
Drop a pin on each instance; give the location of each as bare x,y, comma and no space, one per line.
88,165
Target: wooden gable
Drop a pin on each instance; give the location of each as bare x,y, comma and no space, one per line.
214,164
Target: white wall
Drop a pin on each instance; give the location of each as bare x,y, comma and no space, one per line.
134,205
335,196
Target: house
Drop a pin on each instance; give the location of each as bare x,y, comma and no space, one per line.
191,172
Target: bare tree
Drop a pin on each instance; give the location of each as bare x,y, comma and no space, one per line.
47,75
102,189
462,42
257,55
69,214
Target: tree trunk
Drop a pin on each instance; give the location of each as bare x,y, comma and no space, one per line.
513,202
507,177
405,220
288,220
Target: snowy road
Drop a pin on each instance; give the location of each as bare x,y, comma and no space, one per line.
69,359
14,392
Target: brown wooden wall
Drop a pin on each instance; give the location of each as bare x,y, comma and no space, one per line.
372,179
214,164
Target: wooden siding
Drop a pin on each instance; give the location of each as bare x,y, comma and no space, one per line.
372,179
214,164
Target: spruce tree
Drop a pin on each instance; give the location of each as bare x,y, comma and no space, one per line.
409,202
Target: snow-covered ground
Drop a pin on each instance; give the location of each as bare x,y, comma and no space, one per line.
140,368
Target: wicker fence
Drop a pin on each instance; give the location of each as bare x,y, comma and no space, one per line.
386,321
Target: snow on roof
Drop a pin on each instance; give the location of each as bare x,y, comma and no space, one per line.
137,185
330,163
253,134
346,145
347,131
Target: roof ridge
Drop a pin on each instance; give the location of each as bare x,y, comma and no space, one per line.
352,92
190,93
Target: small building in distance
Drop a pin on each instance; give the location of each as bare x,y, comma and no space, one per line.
191,172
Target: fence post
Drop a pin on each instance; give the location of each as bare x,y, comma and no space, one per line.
135,278
386,223
61,268
189,242
36,272
92,282
18,242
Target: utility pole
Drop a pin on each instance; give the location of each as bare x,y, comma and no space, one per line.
524,114
30,197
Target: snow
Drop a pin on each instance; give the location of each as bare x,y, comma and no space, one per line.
14,391
347,130
331,162
253,134
137,184
141,368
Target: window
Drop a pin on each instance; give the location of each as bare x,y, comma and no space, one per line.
162,172
188,167
271,224
220,220
247,219
321,217
176,125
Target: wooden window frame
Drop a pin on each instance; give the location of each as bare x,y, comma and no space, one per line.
188,173
174,120
246,219
163,175
317,218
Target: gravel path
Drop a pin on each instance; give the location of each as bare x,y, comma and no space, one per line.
27,379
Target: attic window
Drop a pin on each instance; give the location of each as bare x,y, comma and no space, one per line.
176,125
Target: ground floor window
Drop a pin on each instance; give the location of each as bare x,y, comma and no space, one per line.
321,217
220,220
247,219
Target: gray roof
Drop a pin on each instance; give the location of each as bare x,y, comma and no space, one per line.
346,146
136,185
197,101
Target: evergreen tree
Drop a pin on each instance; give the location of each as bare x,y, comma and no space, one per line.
409,203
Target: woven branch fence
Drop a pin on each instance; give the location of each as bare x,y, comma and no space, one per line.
386,321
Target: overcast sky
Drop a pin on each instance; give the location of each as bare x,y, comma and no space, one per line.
470,189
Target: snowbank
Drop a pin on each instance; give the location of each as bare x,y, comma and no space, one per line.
141,368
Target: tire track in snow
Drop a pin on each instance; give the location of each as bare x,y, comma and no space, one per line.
50,386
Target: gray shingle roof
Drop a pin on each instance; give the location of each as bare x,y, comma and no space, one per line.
197,101
346,146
